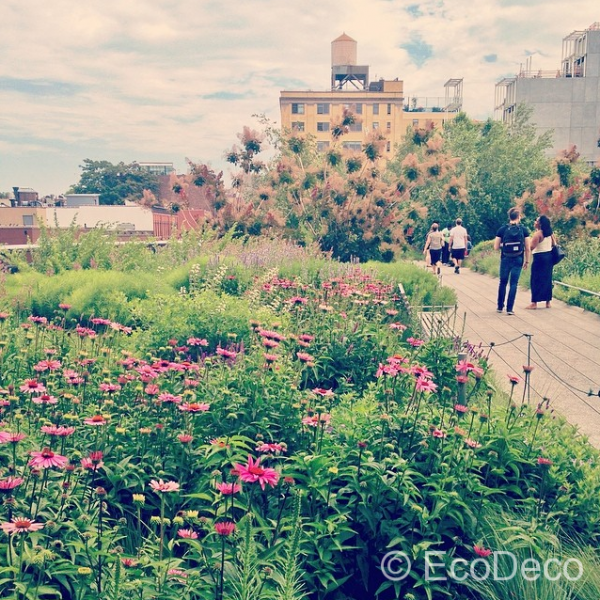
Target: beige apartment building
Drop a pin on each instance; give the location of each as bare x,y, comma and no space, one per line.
380,105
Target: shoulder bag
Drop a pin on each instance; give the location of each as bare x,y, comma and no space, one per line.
557,252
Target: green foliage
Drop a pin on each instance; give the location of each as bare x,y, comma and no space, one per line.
114,183
88,293
63,249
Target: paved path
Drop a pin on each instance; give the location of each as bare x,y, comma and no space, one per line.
564,348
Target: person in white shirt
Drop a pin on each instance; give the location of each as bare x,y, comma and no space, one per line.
458,244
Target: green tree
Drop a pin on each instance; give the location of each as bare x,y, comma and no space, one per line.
114,183
490,165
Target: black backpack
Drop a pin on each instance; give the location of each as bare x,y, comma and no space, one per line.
513,241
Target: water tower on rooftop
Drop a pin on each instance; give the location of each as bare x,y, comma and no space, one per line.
345,72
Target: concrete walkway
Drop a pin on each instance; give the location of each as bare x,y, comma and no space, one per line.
563,347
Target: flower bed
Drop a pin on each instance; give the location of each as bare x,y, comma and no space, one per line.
271,444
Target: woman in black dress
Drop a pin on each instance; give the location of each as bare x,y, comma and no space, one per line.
541,269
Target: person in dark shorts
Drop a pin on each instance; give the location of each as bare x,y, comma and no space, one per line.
458,244
434,244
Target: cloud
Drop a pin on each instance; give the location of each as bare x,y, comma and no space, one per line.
168,79
418,50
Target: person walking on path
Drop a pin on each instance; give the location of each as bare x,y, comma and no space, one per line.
446,246
514,242
541,267
434,244
458,244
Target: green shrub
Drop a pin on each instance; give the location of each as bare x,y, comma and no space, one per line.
89,293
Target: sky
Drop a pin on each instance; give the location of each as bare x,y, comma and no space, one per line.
166,80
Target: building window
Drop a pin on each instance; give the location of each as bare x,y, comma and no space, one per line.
375,109
27,220
375,124
323,126
322,146
297,109
389,109
415,122
298,125
357,146
323,108
389,126
388,147
355,127
358,108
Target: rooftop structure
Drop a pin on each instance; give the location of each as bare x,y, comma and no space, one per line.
380,105
566,100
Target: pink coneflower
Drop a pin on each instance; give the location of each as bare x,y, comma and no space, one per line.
129,563
228,489
461,408
305,357
225,528
267,343
88,463
305,337
464,366
45,399
167,397
226,353
193,341
272,447
472,444
323,392
185,438
415,342
109,388
85,332
59,431
398,326
147,373
47,365
438,433
462,379
47,459
253,472
188,534
314,420
64,306
95,421
417,370
481,551
544,462
4,316
273,335
220,442
513,379
194,407
297,300
32,386
99,321
8,437
38,320
21,525
161,486
152,389
10,483
270,358
425,385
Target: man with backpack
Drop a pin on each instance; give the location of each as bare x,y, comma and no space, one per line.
513,240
